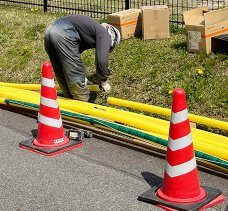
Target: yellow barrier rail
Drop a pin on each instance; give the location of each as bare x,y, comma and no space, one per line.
167,112
216,145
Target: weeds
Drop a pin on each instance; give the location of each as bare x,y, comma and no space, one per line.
33,32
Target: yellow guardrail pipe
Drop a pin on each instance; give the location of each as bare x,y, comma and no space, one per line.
82,107
92,88
167,112
152,120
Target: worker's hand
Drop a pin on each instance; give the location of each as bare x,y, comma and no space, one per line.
105,86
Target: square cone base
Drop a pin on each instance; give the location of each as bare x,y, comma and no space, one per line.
213,197
49,151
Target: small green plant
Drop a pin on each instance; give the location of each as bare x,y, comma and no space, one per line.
177,30
33,31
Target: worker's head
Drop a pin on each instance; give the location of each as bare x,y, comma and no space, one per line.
114,34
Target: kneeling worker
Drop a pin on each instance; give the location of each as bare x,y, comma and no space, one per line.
66,38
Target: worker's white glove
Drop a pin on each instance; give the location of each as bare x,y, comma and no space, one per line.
87,82
105,86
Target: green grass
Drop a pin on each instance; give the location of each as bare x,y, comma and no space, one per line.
142,71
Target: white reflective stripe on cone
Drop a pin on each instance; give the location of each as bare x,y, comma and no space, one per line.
50,121
48,82
179,116
180,143
49,102
174,171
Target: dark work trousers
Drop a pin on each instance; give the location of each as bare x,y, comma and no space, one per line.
61,44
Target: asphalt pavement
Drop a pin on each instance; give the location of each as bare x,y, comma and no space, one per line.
99,175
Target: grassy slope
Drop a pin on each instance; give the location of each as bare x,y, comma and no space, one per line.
142,71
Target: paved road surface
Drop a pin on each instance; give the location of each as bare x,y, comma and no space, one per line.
97,176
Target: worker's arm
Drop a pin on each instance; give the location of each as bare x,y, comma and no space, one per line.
103,43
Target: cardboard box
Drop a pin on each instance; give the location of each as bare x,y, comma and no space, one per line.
128,22
155,22
202,25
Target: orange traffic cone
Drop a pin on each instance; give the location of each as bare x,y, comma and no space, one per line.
50,138
181,189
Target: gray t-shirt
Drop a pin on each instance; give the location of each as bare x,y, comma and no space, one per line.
93,35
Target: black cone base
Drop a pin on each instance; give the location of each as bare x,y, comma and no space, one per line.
150,197
49,151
